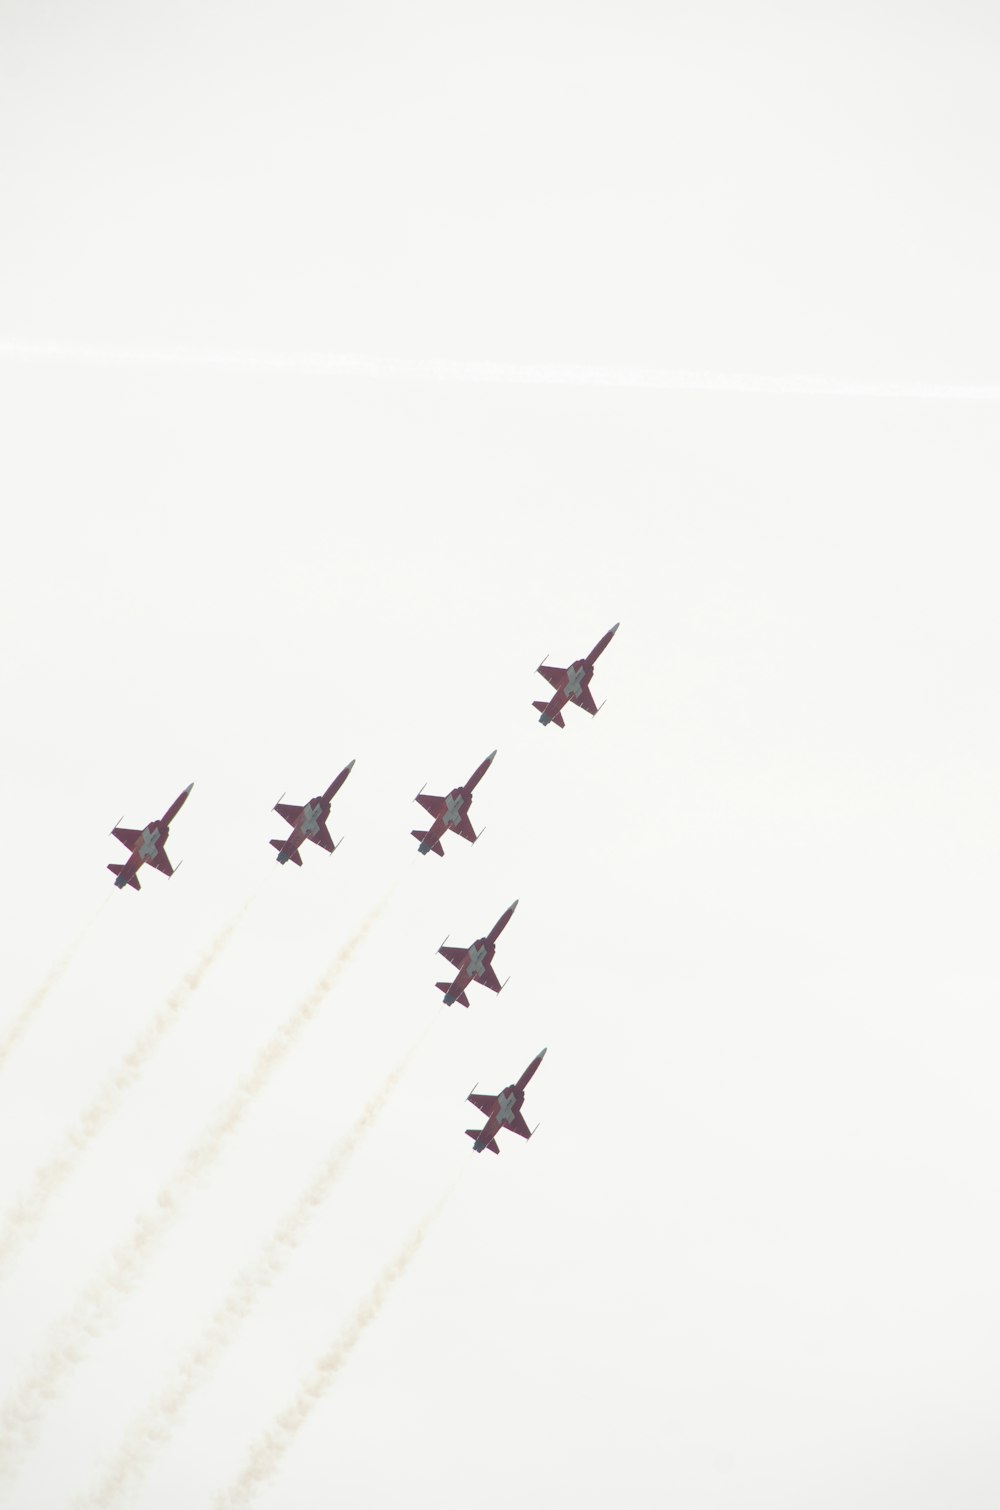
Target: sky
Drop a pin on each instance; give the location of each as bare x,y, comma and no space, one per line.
255,529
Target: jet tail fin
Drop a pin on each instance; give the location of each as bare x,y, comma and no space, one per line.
116,871
279,845
421,834
554,718
474,1132
443,985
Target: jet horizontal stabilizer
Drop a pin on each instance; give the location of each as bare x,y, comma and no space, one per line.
444,987
279,845
421,834
548,718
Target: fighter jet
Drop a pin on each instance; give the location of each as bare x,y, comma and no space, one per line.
147,845
308,822
474,964
572,685
451,812
502,1111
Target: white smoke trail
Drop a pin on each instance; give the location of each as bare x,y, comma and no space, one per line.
21,1222
266,1456
155,1427
96,1306
55,975
559,375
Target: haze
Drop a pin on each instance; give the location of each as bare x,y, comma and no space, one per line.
750,1257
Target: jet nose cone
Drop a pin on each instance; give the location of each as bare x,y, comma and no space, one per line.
512,906
543,1053
490,757
350,766
187,790
615,628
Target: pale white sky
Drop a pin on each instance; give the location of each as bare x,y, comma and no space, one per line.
750,1259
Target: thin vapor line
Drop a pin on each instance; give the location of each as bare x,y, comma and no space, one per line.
507,374
23,1218
153,1429
15,1031
267,1453
97,1305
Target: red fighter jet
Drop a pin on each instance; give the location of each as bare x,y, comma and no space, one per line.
451,812
308,822
147,845
572,685
474,964
502,1111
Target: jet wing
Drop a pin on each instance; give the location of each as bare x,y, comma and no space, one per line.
322,838
519,1126
584,700
465,829
128,836
161,863
456,957
289,812
486,1104
434,805
490,980
554,675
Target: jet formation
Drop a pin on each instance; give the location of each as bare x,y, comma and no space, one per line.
474,964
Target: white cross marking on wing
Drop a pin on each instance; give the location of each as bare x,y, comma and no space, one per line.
573,679
147,843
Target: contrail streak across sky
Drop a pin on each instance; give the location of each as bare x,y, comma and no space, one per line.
52,979
517,374
266,1455
98,1304
156,1426
23,1218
